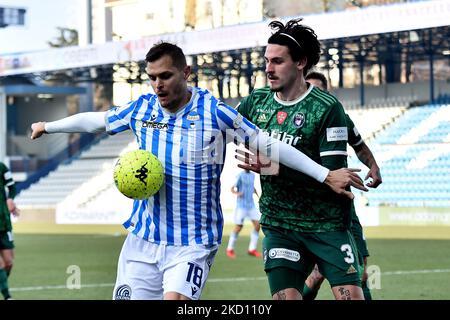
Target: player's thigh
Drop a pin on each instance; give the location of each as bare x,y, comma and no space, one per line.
6,240
187,270
287,262
138,274
239,215
347,292
254,214
337,257
360,241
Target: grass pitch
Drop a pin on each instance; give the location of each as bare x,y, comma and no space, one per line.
414,264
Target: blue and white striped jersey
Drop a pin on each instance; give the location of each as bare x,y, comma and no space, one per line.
191,145
245,183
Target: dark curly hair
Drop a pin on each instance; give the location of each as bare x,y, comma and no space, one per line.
300,39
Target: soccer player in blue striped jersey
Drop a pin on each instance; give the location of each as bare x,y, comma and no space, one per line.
244,188
174,235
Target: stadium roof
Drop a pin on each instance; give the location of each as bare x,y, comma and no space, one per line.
369,28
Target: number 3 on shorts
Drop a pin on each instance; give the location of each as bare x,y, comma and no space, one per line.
350,258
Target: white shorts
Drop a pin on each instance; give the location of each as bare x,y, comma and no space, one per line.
146,271
240,214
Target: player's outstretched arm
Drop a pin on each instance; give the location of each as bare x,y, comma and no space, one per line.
281,152
81,122
337,180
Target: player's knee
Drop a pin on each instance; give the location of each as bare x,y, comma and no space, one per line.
8,265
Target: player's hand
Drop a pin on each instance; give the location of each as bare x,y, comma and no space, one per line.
342,178
12,207
257,163
37,130
375,174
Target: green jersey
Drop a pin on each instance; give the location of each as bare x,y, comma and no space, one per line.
6,181
314,124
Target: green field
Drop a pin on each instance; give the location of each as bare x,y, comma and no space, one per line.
412,266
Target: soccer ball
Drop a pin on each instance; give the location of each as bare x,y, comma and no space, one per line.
138,174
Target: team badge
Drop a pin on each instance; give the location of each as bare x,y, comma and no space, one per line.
123,292
281,116
299,120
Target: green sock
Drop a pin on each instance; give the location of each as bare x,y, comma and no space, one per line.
4,284
308,293
366,291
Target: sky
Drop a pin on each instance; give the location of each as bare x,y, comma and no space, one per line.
41,19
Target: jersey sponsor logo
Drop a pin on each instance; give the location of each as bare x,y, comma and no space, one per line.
337,134
281,116
284,137
123,292
155,125
299,120
282,253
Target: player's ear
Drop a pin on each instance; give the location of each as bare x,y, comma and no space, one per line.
187,72
301,64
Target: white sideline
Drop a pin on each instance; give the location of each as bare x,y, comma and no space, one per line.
97,285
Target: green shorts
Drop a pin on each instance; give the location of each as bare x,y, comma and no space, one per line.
361,244
289,257
6,240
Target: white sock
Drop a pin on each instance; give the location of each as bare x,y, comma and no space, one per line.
232,241
253,240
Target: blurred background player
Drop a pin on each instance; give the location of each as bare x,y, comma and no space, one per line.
365,155
245,208
7,207
173,236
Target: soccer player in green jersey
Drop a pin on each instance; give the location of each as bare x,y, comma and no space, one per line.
365,155
7,206
304,223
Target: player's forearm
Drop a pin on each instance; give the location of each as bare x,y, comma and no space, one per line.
81,122
366,156
288,155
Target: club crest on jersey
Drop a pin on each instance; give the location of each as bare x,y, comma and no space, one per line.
123,292
281,116
299,120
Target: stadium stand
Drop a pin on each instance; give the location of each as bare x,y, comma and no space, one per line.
414,154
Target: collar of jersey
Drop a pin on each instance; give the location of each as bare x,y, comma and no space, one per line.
182,109
290,103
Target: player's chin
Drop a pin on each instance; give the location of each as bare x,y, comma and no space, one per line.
275,88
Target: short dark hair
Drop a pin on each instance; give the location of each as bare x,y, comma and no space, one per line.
300,39
318,76
165,48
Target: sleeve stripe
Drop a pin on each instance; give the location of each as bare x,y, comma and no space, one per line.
333,153
358,143
10,183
